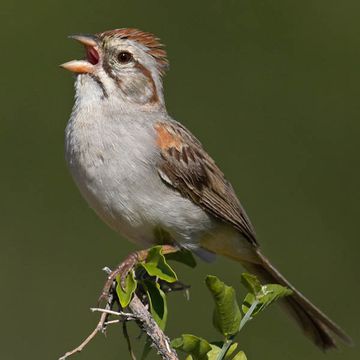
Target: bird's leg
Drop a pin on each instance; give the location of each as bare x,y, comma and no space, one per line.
127,265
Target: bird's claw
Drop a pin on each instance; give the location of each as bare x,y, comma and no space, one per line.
122,270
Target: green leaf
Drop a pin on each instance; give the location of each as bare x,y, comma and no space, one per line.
125,295
240,356
184,256
157,302
248,301
192,345
231,350
156,265
268,295
251,282
227,316
214,352
216,349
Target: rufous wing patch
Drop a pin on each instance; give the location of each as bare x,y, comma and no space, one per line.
166,139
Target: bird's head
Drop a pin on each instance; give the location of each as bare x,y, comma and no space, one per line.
123,65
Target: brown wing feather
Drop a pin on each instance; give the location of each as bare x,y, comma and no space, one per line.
187,167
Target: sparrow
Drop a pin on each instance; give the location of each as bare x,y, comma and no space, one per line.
144,173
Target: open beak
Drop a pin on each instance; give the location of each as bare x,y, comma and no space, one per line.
92,55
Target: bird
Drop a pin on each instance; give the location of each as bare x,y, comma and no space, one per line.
142,171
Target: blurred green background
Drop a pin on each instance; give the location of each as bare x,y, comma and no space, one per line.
272,90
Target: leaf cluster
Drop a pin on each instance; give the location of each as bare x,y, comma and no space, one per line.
229,317
154,277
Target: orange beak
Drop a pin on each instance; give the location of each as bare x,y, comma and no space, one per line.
92,56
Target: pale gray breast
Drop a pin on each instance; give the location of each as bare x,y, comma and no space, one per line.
113,162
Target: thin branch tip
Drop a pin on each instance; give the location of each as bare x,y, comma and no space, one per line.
143,317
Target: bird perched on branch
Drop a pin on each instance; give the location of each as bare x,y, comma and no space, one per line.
142,171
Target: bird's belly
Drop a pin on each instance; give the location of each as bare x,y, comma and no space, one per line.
133,200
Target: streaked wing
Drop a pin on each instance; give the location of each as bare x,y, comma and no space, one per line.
187,167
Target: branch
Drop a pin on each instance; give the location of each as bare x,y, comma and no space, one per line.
157,336
99,327
142,316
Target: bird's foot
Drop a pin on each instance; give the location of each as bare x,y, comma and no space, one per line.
123,270
126,266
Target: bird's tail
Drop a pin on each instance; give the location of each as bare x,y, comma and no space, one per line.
314,323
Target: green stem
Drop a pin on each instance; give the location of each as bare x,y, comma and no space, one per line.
225,348
247,316
243,321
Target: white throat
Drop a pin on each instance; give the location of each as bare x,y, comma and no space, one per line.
128,95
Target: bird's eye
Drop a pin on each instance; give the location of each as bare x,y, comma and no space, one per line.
124,57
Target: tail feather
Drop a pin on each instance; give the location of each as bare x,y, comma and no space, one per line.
314,323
